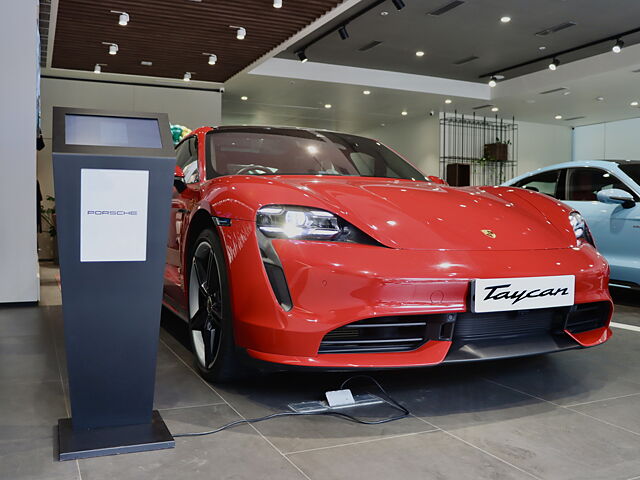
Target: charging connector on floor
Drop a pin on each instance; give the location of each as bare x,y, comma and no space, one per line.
337,400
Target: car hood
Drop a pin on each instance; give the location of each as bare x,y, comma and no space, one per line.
426,216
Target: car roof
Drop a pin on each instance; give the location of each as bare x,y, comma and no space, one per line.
606,164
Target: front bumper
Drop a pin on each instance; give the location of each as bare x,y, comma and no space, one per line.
333,285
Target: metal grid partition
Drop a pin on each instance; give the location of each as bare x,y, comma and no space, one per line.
477,150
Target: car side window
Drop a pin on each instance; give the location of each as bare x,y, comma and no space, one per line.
187,159
545,182
583,184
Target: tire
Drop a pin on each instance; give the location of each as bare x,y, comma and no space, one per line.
209,308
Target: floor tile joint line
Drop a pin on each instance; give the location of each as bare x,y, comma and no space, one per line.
236,411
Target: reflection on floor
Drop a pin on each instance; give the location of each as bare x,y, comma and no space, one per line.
573,415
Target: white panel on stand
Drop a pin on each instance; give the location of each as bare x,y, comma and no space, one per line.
113,215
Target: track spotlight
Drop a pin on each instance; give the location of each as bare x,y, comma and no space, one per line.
213,58
97,68
123,19
399,4
277,3
493,81
301,55
187,76
617,48
241,32
554,64
113,47
342,31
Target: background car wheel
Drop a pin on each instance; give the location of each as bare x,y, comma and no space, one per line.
210,323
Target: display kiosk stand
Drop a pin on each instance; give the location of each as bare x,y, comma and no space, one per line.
113,175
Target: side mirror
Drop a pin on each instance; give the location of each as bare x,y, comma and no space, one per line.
438,180
178,180
616,195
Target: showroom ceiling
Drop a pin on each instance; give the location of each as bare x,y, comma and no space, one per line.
469,40
174,34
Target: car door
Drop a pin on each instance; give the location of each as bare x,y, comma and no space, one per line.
181,206
616,229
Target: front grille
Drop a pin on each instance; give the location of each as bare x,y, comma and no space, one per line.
387,334
588,316
403,333
520,323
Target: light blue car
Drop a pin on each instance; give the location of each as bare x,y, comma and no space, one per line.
606,193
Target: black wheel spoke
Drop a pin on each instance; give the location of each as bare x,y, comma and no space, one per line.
201,278
209,337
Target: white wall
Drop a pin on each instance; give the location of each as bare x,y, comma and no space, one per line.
608,141
418,140
541,144
191,108
18,259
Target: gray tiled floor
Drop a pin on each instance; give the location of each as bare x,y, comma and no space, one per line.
574,415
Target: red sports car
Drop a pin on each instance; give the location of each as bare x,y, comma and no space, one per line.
321,249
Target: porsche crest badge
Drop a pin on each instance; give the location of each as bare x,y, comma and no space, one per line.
489,233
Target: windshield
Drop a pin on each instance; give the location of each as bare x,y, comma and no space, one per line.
300,152
632,170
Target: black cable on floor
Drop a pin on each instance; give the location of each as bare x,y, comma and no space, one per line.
389,400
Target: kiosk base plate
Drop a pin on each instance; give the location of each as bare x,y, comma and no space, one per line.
99,442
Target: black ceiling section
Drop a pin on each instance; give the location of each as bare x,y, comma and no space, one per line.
471,29
444,9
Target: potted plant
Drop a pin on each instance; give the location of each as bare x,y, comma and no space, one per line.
48,216
498,151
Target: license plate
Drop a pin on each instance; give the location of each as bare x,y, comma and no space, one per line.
502,294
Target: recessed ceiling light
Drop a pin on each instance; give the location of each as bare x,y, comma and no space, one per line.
448,101
146,63
244,98
327,105
366,92
634,104
384,13
568,92
494,109
542,48
505,19
404,113
600,99
558,117
419,53
277,3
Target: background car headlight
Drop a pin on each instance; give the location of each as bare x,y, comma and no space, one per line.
580,229
306,223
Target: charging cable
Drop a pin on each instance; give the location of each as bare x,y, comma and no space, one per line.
388,399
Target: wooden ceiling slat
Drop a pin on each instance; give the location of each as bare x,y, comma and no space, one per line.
174,34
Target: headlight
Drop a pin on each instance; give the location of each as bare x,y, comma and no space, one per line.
580,228
297,222
306,223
